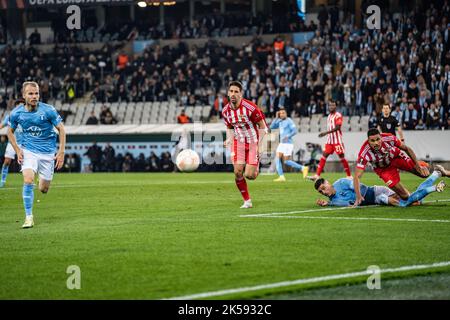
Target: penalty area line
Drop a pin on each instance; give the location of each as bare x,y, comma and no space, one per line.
283,284
358,218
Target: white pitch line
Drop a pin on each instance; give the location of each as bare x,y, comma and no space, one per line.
357,218
325,209
307,280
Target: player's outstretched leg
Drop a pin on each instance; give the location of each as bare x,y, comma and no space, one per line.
345,165
297,166
28,197
279,166
421,193
320,167
430,180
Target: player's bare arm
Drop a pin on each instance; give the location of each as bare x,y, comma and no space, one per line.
62,146
13,141
421,170
323,134
229,137
400,133
356,181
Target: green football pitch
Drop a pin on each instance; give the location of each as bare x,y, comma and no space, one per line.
160,236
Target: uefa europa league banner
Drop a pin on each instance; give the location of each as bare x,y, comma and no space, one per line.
21,4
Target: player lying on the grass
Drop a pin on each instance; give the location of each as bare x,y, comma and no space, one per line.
288,130
342,192
387,155
246,127
10,154
36,155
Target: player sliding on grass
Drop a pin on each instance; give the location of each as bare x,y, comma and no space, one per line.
10,154
286,146
342,192
244,121
387,155
37,152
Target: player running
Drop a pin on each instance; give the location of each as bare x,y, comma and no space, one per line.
10,154
284,150
387,155
37,155
342,192
244,120
335,143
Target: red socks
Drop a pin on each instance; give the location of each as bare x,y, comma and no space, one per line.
242,186
321,165
346,167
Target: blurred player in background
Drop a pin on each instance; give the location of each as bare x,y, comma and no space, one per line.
387,155
388,123
342,193
286,146
10,154
37,152
335,143
246,126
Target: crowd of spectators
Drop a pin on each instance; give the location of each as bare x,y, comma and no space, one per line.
214,24
406,64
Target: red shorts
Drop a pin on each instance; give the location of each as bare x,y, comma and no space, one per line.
245,153
391,175
334,148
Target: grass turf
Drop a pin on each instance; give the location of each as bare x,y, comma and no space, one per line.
153,236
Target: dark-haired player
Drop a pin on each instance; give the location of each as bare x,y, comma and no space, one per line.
342,192
387,155
244,121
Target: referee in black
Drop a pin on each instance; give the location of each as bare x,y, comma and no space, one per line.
388,123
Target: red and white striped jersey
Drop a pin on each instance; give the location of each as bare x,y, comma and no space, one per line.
243,120
334,119
379,158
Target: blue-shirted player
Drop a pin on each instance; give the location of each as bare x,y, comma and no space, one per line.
37,152
342,192
10,154
284,150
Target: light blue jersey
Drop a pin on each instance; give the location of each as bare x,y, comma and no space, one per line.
17,133
287,129
38,134
345,193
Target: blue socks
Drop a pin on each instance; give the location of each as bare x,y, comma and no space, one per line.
289,163
417,195
294,165
5,170
28,197
279,166
430,180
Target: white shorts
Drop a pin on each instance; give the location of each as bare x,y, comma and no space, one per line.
382,194
9,152
44,164
285,148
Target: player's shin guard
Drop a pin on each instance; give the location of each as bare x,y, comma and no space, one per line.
294,165
28,198
5,170
321,165
417,195
242,186
279,166
346,166
430,180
